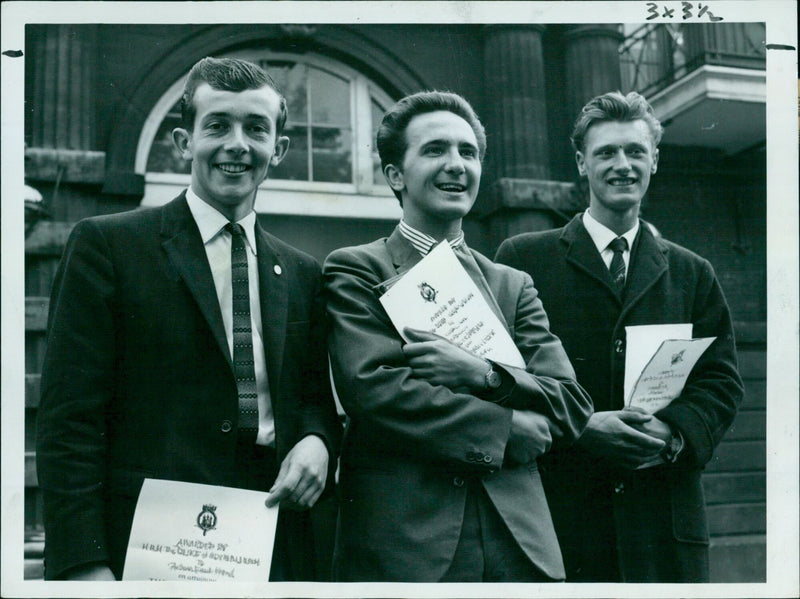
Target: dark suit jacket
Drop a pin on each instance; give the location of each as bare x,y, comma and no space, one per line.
654,517
409,444
137,379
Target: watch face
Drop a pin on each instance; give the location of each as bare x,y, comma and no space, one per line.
493,379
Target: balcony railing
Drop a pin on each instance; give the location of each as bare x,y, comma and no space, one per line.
655,55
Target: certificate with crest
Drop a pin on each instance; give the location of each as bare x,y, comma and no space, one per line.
438,295
659,360
193,532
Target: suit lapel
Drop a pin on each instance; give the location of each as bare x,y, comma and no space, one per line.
274,297
404,256
648,265
481,271
582,254
184,248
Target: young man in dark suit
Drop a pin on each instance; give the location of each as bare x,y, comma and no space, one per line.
603,271
439,478
187,343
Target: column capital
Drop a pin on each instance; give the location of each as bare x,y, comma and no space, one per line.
574,32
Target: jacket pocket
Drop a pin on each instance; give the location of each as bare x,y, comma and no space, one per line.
689,521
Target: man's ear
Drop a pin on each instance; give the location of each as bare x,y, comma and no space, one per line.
394,176
581,162
183,141
281,147
654,168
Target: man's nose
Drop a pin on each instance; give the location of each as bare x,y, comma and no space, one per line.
621,162
455,162
235,141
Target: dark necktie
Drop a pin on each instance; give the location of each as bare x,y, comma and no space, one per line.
243,363
617,266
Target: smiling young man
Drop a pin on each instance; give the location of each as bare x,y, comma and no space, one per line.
438,475
187,343
604,271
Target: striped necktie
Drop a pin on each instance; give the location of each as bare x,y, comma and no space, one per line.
243,362
617,266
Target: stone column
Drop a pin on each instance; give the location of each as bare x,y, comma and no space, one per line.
62,100
592,64
61,156
515,102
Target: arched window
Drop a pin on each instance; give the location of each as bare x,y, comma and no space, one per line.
332,167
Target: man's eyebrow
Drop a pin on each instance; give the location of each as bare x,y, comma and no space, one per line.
611,146
212,115
222,114
446,142
605,147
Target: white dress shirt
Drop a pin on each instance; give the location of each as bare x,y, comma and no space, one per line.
217,242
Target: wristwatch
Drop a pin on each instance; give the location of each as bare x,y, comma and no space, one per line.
492,379
672,448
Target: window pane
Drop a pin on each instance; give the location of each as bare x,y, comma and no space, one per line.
332,157
164,156
330,99
295,164
291,79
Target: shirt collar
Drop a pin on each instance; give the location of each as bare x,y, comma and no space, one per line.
423,242
602,235
211,221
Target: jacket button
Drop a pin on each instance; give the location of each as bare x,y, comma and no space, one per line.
487,459
619,346
226,426
619,488
458,481
470,456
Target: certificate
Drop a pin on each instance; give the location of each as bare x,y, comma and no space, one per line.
192,532
641,343
437,295
665,374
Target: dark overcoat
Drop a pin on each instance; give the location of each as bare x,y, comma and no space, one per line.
138,382
650,524
409,444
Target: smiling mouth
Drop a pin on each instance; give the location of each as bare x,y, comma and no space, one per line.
451,187
233,169
621,182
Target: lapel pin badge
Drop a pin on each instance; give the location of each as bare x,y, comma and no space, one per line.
277,269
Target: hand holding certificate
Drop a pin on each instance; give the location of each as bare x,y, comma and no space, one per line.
193,532
438,295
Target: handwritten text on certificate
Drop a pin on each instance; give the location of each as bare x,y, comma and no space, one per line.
438,295
193,532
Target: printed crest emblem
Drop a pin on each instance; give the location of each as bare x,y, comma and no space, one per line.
677,357
427,292
207,518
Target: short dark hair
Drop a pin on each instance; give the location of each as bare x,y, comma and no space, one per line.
391,137
613,106
228,74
